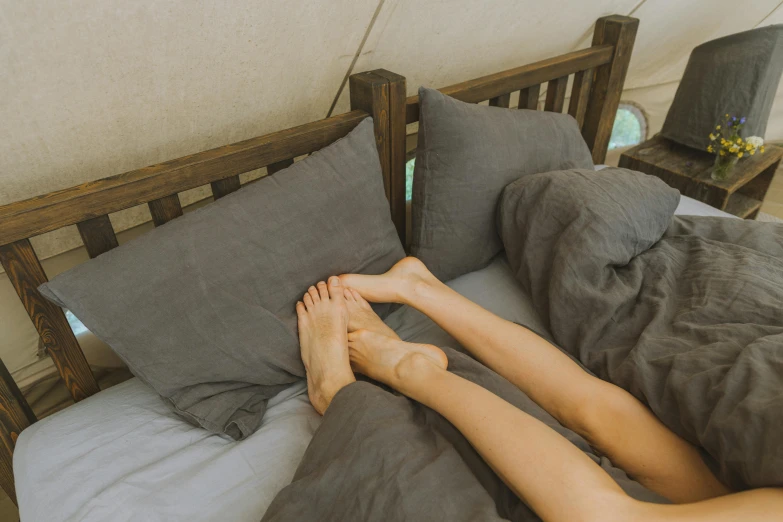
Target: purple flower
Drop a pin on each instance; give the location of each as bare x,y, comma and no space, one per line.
742,120
731,121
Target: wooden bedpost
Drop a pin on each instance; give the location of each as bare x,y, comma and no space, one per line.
382,94
15,415
619,31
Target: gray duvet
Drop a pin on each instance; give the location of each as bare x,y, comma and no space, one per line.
379,456
686,313
683,312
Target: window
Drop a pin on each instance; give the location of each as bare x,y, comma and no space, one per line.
630,127
409,178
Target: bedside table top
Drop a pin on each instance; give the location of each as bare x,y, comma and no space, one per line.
696,165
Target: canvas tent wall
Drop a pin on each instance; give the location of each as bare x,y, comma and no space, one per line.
98,87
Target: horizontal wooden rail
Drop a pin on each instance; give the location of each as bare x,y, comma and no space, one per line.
498,84
49,212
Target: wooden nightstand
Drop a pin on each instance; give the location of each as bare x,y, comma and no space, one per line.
688,170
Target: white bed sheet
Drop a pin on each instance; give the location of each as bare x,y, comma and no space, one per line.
123,455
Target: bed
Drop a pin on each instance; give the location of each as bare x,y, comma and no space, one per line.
87,463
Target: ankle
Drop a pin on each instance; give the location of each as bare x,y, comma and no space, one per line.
329,388
412,371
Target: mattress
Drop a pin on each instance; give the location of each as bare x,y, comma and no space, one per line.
123,455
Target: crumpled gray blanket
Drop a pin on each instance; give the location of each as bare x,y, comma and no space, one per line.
686,313
379,456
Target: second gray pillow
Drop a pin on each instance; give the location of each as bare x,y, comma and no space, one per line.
466,155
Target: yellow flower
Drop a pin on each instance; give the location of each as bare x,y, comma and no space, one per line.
762,148
748,146
733,148
710,149
712,136
717,127
727,115
752,152
722,152
739,140
740,154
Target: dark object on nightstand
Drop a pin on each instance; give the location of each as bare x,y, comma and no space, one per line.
736,74
688,170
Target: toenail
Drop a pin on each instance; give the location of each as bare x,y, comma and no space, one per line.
334,281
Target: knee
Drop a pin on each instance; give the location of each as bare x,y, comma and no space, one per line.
592,414
611,506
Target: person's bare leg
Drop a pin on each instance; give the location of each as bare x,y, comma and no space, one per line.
322,317
551,475
611,419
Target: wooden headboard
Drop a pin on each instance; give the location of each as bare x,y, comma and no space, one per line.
598,76
599,72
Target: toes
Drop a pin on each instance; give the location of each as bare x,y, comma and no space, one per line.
308,301
335,288
322,290
348,294
358,298
300,309
314,294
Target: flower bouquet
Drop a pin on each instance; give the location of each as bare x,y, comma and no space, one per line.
728,146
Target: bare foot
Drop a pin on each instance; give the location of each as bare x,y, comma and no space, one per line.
323,340
399,285
361,316
386,359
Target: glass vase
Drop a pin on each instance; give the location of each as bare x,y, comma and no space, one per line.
723,167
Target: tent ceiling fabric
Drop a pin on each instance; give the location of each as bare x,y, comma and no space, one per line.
98,87
101,87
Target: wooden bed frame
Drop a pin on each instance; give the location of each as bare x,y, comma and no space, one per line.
599,72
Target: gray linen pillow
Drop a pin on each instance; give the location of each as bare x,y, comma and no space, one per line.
202,308
466,155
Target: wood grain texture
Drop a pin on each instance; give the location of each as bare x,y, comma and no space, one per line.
555,94
504,100
26,275
580,91
398,157
165,209
493,85
620,33
276,167
370,93
224,187
15,415
689,171
49,212
98,235
528,97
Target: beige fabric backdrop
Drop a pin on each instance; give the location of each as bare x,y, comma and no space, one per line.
92,88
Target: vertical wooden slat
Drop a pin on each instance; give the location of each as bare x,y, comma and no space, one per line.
583,80
26,274
278,166
224,187
370,93
165,209
98,235
15,415
504,100
619,31
555,94
397,152
528,97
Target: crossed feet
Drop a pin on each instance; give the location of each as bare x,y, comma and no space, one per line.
339,332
